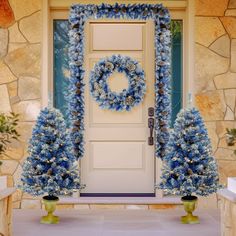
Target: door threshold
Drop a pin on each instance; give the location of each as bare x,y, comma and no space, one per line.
120,200
117,194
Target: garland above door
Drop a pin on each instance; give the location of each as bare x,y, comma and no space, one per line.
79,14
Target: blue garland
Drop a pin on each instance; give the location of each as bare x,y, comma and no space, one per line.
79,14
128,98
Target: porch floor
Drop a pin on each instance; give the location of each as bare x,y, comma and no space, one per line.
115,222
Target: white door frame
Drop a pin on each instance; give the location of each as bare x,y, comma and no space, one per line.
181,10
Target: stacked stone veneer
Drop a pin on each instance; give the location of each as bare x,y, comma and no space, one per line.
215,75
20,36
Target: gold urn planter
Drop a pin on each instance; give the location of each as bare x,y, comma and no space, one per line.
190,204
50,203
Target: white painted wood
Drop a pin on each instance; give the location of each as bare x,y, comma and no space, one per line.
103,36
231,184
117,157
113,155
45,85
189,53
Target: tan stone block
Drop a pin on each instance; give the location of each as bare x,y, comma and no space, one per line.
14,100
17,196
222,46
24,7
223,144
225,81
65,206
25,61
15,46
17,176
29,88
15,153
106,206
226,169
6,75
16,205
4,42
230,12
12,89
15,35
31,204
8,167
10,181
211,105
27,110
230,97
225,154
81,207
25,131
208,29
232,4
206,69
161,206
221,127
31,27
230,25
211,8
233,56
136,207
229,114
211,128
26,154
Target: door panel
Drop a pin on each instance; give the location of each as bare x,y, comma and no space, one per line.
101,158
117,157
107,37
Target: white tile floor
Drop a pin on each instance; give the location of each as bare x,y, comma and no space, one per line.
115,223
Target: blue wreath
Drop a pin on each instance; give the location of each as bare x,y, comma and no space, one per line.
101,91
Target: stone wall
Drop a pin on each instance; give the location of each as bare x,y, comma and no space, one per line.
215,75
20,36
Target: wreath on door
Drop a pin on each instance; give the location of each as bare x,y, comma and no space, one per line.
128,98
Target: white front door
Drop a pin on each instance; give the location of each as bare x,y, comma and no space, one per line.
117,156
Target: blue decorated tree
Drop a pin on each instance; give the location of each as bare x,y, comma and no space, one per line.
189,167
51,167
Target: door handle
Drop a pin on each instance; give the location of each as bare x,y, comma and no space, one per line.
151,128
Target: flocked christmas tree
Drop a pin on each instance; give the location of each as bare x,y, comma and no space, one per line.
51,167
189,167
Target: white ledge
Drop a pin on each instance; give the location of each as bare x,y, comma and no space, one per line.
120,200
227,194
6,192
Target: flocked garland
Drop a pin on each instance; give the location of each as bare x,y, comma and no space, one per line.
79,14
101,91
